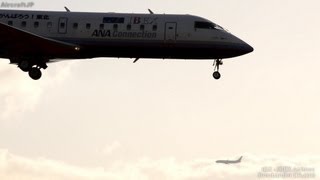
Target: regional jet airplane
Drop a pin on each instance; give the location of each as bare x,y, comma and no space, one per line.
229,162
32,39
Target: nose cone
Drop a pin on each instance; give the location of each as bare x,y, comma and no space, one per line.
246,48
238,46
239,49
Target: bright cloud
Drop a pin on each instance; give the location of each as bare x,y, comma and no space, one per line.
16,167
18,93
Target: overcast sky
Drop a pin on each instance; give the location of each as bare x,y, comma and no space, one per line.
111,119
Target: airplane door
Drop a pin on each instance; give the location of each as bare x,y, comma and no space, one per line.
63,25
171,32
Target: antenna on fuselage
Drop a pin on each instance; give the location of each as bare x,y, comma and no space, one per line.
137,59
151,12
67,9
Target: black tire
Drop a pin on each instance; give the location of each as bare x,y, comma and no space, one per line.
35,73
216,75
24,66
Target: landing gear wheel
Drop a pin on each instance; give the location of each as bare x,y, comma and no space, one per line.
35,73
216,64
24,66
216,75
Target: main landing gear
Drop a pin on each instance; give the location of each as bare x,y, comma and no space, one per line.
216,64
35,73
33,69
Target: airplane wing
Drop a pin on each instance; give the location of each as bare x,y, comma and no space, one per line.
19,43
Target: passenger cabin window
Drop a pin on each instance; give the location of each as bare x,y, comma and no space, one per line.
112,20
10,23
101,26
88,25
23,24
142,27
204,25
154,27
129,27
49,25
36,24
115,26
75,25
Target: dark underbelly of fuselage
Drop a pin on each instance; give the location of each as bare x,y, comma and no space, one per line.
154,49
147,49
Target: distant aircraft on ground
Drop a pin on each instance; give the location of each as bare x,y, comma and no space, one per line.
31,39
229,162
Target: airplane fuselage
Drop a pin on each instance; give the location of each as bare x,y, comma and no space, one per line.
33,38
130,35
229,161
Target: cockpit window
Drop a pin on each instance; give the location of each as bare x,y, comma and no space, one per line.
206,25
219,27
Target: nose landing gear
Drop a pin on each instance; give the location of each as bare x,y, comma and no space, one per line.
216,64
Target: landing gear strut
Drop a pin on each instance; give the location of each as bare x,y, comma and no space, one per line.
216,64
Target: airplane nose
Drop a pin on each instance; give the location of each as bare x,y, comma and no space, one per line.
249,48
245,48
239,46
